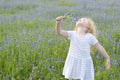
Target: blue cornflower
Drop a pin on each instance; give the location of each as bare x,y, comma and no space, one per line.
99,33
71,17
1,47
41,40
101,68
7,78
39,52
51,69
17,63
33,45
66,14
74,15
119,75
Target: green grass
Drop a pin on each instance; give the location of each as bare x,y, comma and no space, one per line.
66,3
17,9
31,49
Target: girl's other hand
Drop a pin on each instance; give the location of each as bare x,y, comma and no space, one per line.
108,63
60,18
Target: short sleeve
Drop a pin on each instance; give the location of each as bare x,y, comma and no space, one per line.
70,34
93,40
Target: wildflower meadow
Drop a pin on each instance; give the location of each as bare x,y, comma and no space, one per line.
30,49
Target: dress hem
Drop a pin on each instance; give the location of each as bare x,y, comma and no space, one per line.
66,77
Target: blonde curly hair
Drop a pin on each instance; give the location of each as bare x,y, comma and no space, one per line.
91,28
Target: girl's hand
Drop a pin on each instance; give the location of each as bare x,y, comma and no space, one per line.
107,63
60,18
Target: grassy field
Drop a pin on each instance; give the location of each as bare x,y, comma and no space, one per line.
30,49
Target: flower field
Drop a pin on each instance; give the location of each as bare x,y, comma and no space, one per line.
30,49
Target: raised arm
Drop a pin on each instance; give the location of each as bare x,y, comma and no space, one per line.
58,27
104,53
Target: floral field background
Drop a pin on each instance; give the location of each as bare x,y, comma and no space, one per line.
30,49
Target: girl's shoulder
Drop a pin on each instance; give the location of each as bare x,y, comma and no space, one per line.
90,34
70,34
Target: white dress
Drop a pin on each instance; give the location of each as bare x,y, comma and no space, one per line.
79,64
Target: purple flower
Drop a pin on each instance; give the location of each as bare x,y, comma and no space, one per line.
51,69
114,62
17,63
119,75
74,15
40,76
84,0
75,20
99,33
118,61
8,5
39,52
33,64
57,41
101,68
41,40
111,62
6,41
65,14
33,45
1,48
7,78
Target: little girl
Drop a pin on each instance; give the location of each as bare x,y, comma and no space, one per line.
79,64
